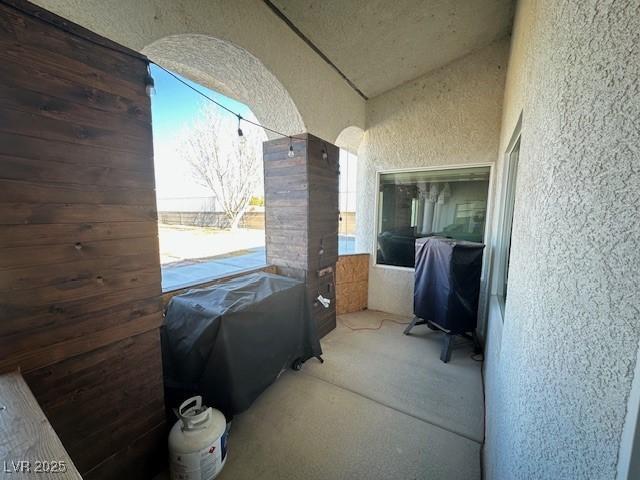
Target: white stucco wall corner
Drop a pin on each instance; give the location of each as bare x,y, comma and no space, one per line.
448,117
629,453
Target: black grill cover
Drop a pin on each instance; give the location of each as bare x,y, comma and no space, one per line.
229,342
447,282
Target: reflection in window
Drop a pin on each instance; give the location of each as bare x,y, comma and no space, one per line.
450,203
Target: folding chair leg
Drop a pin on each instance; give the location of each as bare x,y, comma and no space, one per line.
445,353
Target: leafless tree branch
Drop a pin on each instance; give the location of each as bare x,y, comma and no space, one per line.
228,165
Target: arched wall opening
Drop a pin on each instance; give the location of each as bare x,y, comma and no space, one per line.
349,141
205,171
231,70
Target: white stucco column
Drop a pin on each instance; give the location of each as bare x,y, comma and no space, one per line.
430,197
422,195
427,219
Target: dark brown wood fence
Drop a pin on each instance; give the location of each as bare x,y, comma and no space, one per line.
80,286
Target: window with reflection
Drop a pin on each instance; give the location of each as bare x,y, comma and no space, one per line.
415,204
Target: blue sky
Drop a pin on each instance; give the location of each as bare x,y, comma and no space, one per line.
173,108
174,105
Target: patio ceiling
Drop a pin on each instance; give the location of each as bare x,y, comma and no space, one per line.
379,44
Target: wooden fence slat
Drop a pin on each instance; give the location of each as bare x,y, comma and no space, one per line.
12,236
17,191
57,213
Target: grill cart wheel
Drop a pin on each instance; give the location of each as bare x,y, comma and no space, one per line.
297,364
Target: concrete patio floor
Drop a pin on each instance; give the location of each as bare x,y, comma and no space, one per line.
381,406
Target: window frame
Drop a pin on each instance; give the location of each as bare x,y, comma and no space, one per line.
430,168
507,213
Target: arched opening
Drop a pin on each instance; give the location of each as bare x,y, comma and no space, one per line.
209,184
349,142
234,72
350,138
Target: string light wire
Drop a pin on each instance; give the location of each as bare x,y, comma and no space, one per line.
240,118
150,87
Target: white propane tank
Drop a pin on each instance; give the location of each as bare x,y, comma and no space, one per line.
197,442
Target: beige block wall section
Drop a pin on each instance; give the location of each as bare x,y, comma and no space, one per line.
559,365
449,117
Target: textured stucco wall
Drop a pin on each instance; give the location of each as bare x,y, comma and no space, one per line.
559,369
449,117
350,139
325,101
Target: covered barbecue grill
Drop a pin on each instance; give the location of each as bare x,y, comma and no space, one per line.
447,287
229,342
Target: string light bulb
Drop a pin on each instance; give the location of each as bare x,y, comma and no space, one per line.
291,154
222,106
240,133
149,84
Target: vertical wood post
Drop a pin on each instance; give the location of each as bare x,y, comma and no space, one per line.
301,217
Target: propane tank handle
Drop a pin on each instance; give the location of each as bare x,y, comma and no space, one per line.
197,421
188,404
191,415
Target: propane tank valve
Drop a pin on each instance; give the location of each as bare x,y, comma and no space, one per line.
324,301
